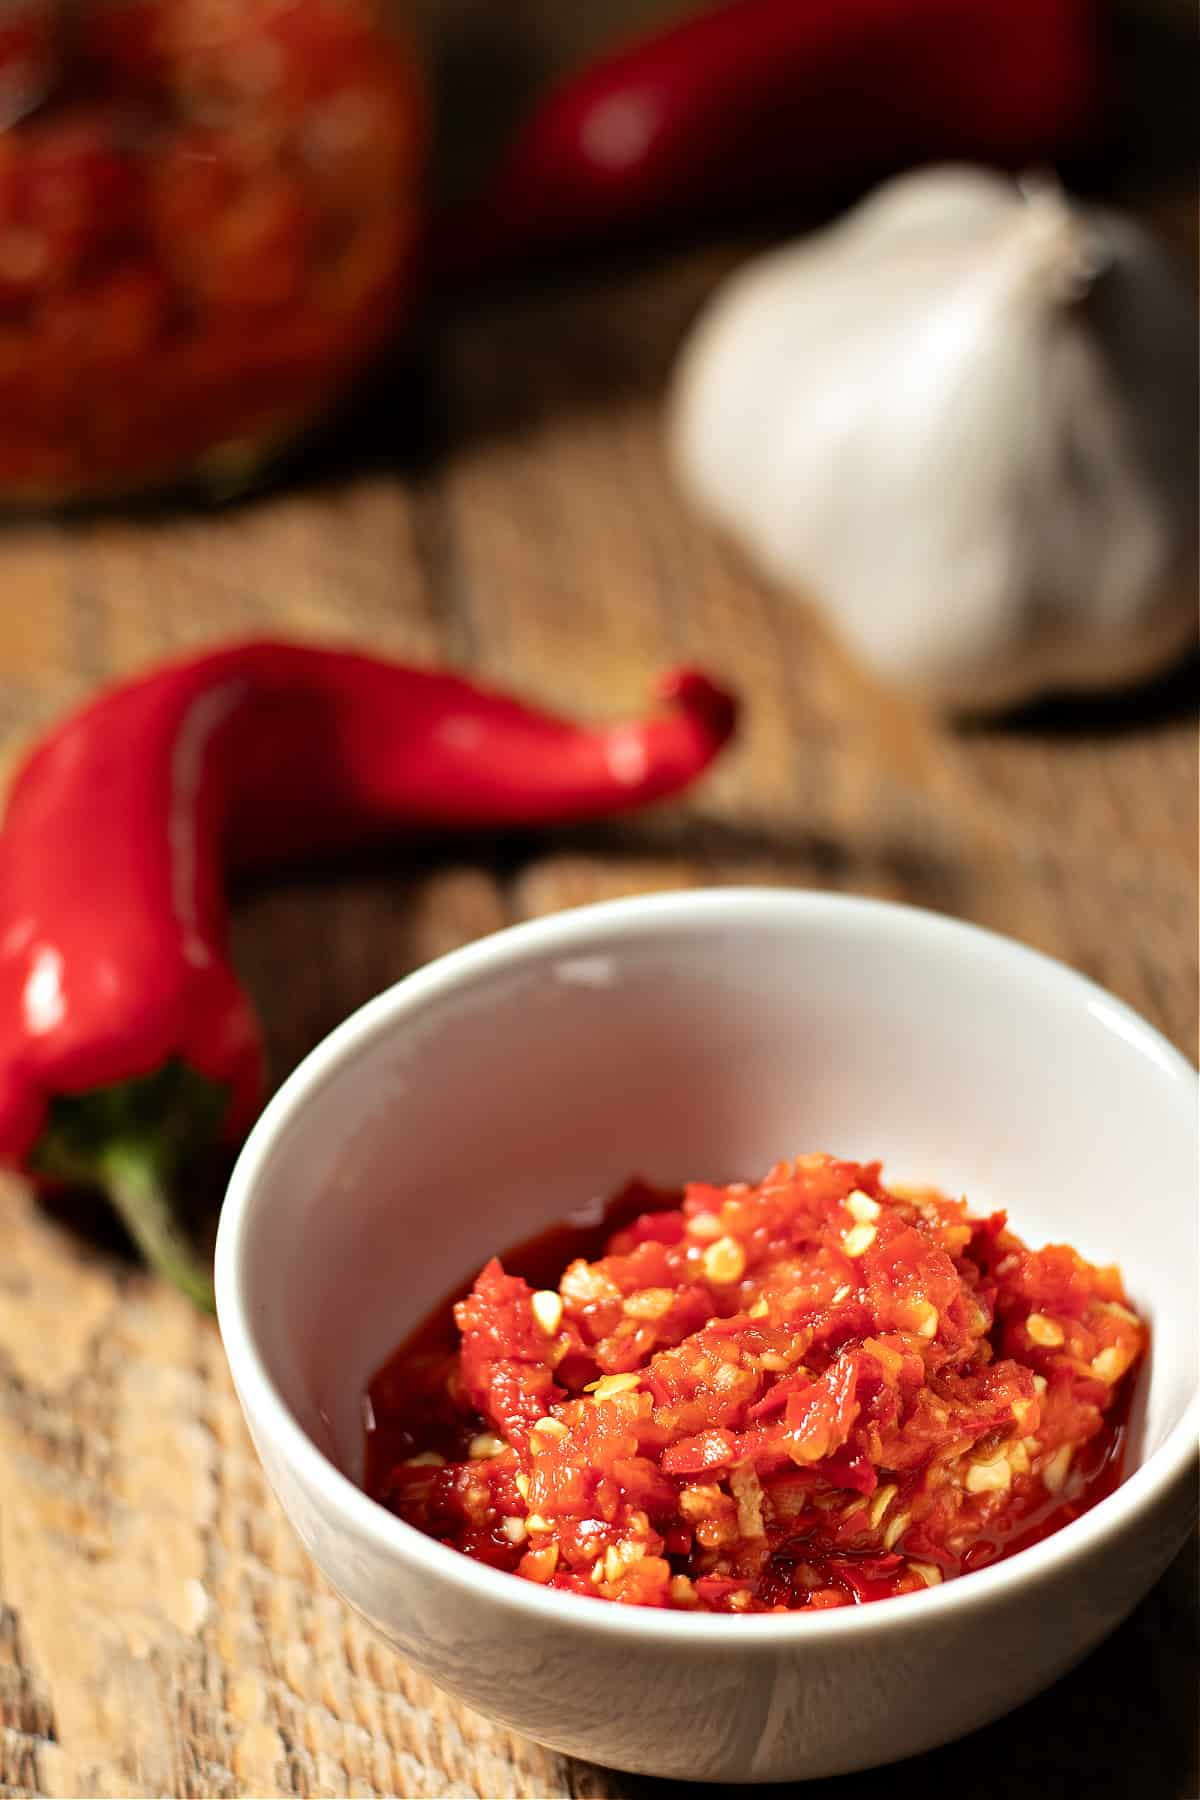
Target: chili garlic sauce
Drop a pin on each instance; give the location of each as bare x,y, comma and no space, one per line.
808,1393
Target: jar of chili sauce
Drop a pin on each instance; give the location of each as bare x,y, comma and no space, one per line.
209,213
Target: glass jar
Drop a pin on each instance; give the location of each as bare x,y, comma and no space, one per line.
209,219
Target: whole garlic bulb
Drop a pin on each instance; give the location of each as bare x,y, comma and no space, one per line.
963,421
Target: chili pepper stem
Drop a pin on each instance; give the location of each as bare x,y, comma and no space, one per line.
133,1180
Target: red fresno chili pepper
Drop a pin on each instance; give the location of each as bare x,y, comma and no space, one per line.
767,102
126,1041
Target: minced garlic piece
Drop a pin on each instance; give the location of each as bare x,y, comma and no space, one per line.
1109,1365
920,1317
649,1303
1121,1312
896,1528
704,1225
547,1308
618,1557
858,1239
539,1565
724,1261
1056,1470
609,1385
699,1500
486,1445
747,1492
547,1428
583,1283
989,1477
882,1500
930,1574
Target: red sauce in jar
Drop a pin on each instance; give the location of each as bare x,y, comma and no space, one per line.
206,228
810,1393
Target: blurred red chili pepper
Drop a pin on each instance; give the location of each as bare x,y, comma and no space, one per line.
762,103
126,1041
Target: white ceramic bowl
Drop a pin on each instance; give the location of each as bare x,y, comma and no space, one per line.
705,1035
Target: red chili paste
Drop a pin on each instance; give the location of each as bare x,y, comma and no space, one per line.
206,220
808,1393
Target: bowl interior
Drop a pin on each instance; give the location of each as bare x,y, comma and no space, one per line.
706,1037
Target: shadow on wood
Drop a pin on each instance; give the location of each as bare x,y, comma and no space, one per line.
1173,695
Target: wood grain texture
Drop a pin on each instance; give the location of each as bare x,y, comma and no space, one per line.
160,1630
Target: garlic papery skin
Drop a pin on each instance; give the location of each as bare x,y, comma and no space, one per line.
962,422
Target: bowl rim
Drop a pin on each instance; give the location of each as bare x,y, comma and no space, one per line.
656,914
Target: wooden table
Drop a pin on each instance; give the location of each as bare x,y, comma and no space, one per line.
510,512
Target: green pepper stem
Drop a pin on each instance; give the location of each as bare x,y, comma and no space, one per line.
133,1181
